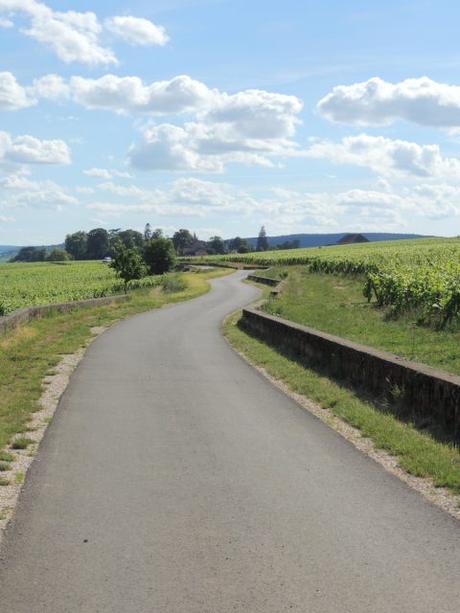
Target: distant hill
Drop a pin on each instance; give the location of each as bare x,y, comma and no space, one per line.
9,251
319,240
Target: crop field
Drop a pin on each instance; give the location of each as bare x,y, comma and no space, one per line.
23,285
417,275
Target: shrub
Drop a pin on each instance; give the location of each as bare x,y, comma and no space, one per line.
128,264
159,255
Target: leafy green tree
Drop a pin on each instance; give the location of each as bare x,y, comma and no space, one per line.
216,245
30,254
159,255
58,255
157,233
262,241
98,244
128,264
181,240
240,245
76,244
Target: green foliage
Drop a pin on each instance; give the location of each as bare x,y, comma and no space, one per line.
182,239
262,241
417,275
128,264
76,244
216,245
173,283
30,254
58,255
98,244
160,256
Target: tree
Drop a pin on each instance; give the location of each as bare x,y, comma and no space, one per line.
76,244
262,241
131,239
240,245
159,255
128,264
157,233
58,255
147,232
181,240
30,254
216,245
98,244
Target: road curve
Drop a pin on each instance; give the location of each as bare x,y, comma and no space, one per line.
174,478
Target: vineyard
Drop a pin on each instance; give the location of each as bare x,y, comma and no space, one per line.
418,275
24,285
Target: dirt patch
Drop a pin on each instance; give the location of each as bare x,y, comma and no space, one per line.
54,386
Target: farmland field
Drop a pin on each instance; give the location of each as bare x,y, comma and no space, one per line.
24,285
422,276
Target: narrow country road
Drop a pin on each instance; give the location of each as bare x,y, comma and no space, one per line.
174,478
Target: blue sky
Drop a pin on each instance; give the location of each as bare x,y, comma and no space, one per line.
221,116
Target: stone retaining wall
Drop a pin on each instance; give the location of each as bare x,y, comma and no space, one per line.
22,316
422,392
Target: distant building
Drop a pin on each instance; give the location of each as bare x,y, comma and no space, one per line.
348,239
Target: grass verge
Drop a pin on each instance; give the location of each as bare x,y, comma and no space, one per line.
417,453
335,304
32,351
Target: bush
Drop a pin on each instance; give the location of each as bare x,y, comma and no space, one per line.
172,284
128,264
159,255
58,255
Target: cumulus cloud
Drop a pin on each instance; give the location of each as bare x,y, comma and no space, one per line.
137,31
202,147
388,157
27,149
378,103
130,95
12,95
75,37
17,190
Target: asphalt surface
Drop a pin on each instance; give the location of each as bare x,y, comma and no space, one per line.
174,478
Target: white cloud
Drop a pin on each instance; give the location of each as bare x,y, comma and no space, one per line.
19,191
130,95
105,173
6,219
137,31
388,157
12,95
6,23
30,150
377,102
75,36
200,147
72,36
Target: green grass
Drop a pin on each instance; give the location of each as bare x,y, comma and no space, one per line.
4,482
418,453
28,353
335,304
21,443
4,466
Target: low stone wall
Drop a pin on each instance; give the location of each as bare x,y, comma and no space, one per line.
22,316
264,280
421,391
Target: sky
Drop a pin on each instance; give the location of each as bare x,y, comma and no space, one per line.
224,115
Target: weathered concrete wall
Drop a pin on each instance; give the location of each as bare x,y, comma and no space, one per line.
22,316
264,280
422,391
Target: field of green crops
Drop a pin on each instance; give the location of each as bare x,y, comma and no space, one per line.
24,285
419,275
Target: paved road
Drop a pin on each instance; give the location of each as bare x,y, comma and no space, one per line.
176,479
